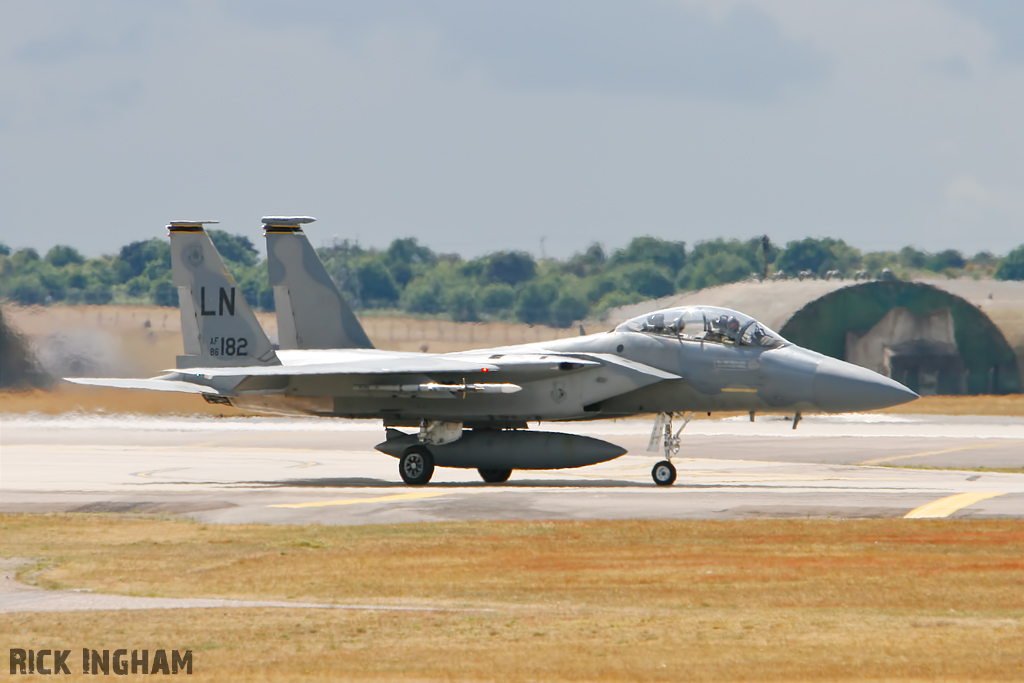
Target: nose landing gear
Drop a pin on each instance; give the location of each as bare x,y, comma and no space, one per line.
664,473
663,436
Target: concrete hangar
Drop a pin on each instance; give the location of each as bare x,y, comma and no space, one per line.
936,336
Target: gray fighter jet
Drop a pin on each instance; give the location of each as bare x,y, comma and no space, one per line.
470,409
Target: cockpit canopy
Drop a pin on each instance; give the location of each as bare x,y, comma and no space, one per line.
705,324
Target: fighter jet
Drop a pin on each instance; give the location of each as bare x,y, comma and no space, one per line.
471,409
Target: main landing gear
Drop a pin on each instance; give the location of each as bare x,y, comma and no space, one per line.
663,436
416,466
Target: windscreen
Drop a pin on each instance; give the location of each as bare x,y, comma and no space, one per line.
706,324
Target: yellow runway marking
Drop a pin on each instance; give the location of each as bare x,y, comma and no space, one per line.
875,461
377,499
944,507
311,463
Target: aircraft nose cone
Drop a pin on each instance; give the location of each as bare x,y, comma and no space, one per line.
843,387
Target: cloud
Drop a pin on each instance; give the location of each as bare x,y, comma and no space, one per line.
645,47
68,33
1004,19
965,193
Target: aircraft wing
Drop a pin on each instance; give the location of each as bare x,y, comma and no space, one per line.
155,384
532,365
377,371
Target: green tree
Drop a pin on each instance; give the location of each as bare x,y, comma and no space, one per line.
26,290
422,295
62,255
77,279
648,280
101,271
54,281
406,258
376,285
164,293
588,263
845,258
461,303
668,254
807,254
24,259
984,259
665,253
138,255
497,298
339,259
533,305
717,269
874,262
510,267
750,251
950,258
601,285
4,250
616,299
97,295
719,261
137,286
567,309
912,258
1012,267
236,248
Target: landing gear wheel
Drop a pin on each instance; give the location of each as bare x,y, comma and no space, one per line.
664,473
416,466
494,476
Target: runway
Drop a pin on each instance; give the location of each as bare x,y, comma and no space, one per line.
310,471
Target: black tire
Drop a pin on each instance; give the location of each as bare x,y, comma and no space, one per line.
664,473
494,476
416,466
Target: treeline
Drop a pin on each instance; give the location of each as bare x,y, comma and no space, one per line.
410,278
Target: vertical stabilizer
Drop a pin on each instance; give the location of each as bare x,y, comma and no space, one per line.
217,326
311,312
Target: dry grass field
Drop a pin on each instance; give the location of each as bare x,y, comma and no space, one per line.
761,600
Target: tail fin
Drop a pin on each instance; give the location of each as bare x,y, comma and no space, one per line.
311,312
217,326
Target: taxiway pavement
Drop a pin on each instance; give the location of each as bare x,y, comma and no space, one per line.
300,471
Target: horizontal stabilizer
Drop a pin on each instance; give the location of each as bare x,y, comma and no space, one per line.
151,384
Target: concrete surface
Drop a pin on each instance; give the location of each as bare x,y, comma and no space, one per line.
300,471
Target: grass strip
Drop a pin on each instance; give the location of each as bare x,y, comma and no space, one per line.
602,601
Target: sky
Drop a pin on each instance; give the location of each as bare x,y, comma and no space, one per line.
542,125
